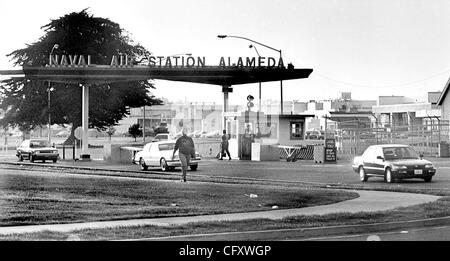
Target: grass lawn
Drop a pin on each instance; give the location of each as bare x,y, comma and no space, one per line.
440,208
45,199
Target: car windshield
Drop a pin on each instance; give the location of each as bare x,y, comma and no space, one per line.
400,153
166,146
39,144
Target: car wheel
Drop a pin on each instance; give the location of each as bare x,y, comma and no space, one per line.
143,165
362,175
388,176
194,167
428,179
163,164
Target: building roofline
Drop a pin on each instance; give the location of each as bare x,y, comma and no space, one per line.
444,93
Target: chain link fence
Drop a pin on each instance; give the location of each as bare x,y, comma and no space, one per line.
425,138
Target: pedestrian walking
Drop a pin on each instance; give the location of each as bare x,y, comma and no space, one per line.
224,146
186,150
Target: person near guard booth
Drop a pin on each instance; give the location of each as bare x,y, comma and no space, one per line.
186,148
224,146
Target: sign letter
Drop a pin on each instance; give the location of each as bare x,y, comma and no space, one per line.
114,61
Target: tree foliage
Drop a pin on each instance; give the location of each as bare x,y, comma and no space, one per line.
135,130
25,101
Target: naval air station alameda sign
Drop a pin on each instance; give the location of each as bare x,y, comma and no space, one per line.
167,61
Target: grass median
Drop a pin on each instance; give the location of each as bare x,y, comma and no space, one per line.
439,208
30,198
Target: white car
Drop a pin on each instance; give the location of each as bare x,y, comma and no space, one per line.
193,133
162,137
159,154
212,134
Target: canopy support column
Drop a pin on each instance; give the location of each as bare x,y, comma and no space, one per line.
85,123
225,89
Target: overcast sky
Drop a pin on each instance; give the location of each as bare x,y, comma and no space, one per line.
369,48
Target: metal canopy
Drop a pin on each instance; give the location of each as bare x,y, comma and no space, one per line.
346,116
206,75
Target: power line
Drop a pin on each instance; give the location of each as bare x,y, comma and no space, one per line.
380,86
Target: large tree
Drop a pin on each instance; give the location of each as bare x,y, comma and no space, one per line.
25,101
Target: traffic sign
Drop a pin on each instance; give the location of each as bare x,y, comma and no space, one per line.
78,133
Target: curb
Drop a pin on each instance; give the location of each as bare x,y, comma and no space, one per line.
147,174
305,233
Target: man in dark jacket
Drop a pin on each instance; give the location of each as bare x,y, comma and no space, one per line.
224,146
186,148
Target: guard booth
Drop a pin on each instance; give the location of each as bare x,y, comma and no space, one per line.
246,128
251,128
267,133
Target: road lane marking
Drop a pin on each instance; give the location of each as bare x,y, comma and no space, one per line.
381,234
373,238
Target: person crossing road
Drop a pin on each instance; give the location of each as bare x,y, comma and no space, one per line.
224,146
186,148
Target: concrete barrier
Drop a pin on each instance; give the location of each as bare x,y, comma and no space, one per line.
120,153
261,152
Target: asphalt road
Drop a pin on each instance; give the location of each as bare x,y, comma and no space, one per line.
307,171
299,171
440,233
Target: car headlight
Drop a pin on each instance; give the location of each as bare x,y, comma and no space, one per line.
398,167
429,166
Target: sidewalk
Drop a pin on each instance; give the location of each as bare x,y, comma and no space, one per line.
369,201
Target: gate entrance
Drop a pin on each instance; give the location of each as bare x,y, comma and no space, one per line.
88,76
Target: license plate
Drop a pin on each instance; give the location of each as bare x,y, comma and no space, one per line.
417,171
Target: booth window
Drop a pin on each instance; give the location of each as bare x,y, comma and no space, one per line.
296,130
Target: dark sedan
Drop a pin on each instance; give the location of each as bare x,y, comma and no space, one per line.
35,149
393,162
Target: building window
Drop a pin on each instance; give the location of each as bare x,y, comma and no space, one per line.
296,130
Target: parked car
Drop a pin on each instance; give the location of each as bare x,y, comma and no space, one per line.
315,135
212,134
36,149
393,162
16,133
159,154
194,134
201,134
63,134
161,128
162,137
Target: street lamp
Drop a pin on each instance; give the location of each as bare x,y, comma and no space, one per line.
56,46
254,47
259,107
253,41
222,36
